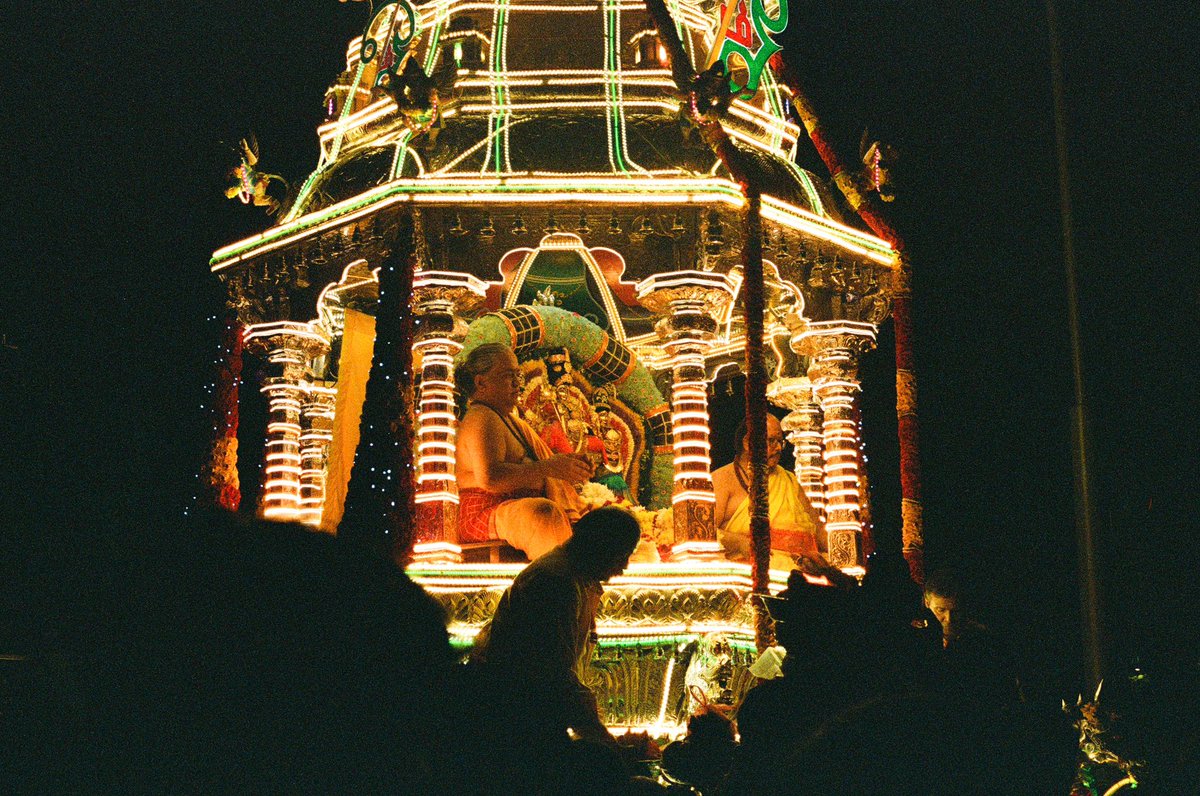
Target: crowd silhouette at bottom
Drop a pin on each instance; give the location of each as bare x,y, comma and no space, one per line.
250,657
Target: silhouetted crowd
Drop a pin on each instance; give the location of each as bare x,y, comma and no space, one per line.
251,657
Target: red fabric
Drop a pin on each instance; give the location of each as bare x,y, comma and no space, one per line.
797,543
475,509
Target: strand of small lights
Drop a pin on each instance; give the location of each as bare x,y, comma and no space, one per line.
218,479
379,499
862,485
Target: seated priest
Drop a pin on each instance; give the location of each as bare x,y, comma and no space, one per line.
794,522
511,486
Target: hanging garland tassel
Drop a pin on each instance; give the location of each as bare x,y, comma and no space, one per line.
219,486
867,207
754,307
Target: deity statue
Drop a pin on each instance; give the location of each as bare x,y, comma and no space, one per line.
571,417
612,464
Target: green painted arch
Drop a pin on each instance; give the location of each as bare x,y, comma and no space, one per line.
605,361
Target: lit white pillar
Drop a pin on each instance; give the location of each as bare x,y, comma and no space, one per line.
316,432
439,298
833,349
689,304
803,426
289,348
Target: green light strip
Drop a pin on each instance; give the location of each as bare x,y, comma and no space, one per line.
435,35
498,121
772,91
337,142
612,89
684,36
810,189
435,187
303,195
401,151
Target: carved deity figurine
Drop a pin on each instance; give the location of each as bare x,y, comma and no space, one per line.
612,473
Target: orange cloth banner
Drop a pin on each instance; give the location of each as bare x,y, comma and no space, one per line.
354,368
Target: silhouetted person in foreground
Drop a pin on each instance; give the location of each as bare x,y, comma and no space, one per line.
703,757
531,655
850,713
256,657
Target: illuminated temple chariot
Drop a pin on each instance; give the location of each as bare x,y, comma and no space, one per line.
529,168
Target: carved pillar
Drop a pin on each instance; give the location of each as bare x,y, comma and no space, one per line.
803,426
833,348
689,303
316,432
289,348
439,297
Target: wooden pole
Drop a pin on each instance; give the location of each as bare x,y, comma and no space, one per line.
753,301
1088,591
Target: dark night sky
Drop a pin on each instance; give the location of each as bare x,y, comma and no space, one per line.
115,118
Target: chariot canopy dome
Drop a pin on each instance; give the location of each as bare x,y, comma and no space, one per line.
566,89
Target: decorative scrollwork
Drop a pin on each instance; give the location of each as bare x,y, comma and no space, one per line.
400,44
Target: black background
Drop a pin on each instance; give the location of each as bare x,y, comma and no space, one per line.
118,126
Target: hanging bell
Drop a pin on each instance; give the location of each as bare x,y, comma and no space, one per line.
488,230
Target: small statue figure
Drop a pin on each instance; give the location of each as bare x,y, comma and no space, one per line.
612,471
248,183
878,161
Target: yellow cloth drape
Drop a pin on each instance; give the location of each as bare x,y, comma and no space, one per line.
354,368
789,512
557,491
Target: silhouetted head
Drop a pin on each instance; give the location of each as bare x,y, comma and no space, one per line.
603,540
944,597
